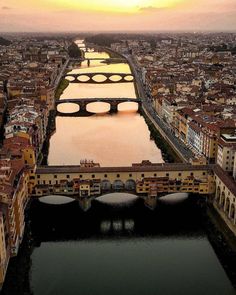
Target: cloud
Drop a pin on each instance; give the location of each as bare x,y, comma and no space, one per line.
6,7
150,9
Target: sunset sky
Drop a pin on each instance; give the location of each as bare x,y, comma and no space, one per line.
108,15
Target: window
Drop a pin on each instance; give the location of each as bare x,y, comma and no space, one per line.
93,176
67,176
180,174
38,176
118,175
167,174
55,176
142,175
105,175
130,175
81,176
155,175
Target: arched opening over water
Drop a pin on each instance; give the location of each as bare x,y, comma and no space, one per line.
118,199
174,198
83,78
128,106
98,107
70,78
115,78
56,200
68,108
99,78
129,78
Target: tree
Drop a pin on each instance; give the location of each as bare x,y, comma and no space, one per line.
74,51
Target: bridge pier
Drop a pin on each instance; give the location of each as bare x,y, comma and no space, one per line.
113,107
139,107
85,203
150,202
83,107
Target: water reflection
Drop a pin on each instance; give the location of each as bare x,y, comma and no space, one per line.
174,198
112,226
118,199
56,200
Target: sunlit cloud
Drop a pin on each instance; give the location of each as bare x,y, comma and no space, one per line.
102,15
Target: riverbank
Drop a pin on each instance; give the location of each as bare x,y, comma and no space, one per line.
168,154
61,87
222,240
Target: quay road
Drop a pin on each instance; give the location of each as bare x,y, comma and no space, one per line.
179,146
57,81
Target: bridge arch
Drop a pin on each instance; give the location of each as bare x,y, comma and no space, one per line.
232,212
70,78
68,107
129,78
130,185
97,107
115,78
227,206
118,185
222,200
83,78
106,185
217,197
99,78
128,106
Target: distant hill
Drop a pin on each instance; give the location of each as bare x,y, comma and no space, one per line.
4,41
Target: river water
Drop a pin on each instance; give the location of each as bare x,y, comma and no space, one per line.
117,247
109,139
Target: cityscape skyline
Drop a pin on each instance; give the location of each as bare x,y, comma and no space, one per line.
135,15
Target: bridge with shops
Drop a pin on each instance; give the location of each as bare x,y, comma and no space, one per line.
149,181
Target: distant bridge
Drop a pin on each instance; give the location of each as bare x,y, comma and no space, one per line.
83,102
91,77
108,59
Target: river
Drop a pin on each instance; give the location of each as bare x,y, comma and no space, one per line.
116,247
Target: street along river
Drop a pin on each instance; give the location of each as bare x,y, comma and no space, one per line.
118,246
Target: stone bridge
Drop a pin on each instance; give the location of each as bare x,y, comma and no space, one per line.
147,180
83,102
106,78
